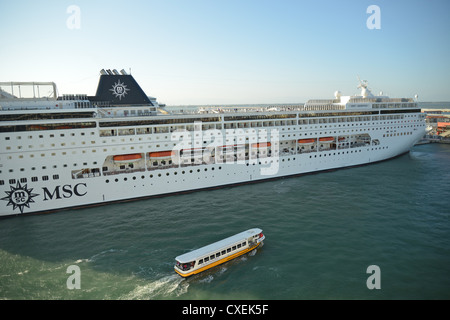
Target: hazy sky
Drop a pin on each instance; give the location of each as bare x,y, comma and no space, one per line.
231,51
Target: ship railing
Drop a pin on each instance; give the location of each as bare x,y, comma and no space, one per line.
380,99
323,101
238,109
326,148
101,104
110,173
301,151
151,168
312,105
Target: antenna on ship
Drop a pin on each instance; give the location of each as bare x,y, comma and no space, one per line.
364,86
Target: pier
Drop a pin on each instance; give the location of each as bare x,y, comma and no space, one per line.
438,126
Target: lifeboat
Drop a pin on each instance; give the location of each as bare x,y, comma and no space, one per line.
261,145
162,154
36,127
128,157
326,139
306,141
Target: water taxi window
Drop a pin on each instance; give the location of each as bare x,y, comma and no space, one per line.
217,254
212,257
243,243
229,250
239,245
206,259
233,248
200,261
223,252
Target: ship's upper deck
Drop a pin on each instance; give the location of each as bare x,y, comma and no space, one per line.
119,96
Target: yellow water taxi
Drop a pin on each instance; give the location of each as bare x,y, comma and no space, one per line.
218,252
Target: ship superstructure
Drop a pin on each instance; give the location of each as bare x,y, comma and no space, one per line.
76,150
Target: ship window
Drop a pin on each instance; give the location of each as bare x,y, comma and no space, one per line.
206,259
12,181
34,179
243,243
233,248
223,252
212,257
229,250
217,254
239,245
200,261
45,178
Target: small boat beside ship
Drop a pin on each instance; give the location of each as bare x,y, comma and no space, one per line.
214,254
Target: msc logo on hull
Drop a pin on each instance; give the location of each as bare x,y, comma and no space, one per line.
65,191
20,196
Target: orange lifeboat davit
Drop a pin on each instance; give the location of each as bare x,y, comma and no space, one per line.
306,141
326,139
261,145
162,154
128,157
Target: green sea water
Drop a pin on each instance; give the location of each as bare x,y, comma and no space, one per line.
322,233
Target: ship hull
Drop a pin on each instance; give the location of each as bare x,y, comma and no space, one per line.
64,193
76,150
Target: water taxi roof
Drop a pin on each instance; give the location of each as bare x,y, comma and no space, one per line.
216,246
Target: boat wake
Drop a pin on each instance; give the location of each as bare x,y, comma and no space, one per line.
207,279
105,253
167,287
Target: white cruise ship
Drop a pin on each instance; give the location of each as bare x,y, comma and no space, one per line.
70,151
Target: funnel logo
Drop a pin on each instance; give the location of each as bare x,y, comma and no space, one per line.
119,90
19,197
